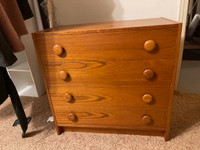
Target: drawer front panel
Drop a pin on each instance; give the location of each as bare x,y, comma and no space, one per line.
127,45
109,73
124,117
110,96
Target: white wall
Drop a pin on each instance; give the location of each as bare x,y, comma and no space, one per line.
87,11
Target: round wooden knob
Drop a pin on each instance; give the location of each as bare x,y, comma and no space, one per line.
72,116
146,120
57,49
149,45
68,97
63,75
148,74
147,98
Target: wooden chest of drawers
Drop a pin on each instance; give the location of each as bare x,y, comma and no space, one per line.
111,77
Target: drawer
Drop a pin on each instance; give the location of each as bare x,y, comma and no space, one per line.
110,96
111,117
136,73
127,45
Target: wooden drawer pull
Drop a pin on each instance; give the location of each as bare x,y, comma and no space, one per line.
63,75
147,98
58,50
146,120
72,116
149,45
68,97
148,74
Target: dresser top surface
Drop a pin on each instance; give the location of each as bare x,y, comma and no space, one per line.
99,27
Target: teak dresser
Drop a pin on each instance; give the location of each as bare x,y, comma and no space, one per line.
111,77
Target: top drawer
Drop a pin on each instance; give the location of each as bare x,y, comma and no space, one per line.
126,45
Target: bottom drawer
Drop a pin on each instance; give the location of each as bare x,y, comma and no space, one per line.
129,118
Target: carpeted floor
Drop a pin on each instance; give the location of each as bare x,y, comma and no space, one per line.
185,130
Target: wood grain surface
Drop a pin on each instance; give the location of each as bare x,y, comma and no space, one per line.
110,96
142,24
106,85
109,73
109,46
120,117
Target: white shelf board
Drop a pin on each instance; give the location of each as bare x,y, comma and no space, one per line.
29,90
19,66
23,83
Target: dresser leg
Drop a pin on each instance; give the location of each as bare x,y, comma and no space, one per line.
166,136
59,130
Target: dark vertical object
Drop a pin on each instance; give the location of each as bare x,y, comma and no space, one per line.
7,58
192,40
23,121
3,87
195,8
191,54
25,9
44,17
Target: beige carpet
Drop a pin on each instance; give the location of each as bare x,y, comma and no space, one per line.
185,130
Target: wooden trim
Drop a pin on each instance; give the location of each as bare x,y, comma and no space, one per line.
142,24
166,135
58,129
183,11
115,127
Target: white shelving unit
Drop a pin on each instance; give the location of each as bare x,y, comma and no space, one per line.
25,72
23,78
21,65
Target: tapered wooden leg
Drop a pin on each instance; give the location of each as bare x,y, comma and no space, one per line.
166,135
59,130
